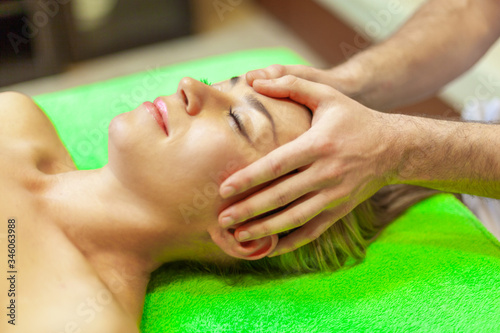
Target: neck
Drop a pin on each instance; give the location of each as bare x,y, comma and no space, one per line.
118,233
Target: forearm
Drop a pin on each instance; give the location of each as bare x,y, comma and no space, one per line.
441,41
449,156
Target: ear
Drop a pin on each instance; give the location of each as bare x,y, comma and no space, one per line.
249,250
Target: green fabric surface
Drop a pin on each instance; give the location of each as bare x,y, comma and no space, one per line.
434,269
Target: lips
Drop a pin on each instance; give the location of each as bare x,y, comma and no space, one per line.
158,110
162,107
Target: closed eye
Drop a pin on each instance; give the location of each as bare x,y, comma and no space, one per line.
239,124
237,119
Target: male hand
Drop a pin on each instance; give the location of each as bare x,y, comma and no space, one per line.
346,78
343,159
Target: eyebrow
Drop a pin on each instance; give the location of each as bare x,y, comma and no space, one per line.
257,105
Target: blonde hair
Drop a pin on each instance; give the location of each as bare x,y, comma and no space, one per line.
346,239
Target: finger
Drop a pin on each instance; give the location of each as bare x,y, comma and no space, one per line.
270,72
282,160
276,71
311,94
310,231
296,215
278,194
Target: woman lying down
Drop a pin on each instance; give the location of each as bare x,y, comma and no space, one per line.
90,239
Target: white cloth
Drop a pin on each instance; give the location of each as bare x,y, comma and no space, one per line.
487,210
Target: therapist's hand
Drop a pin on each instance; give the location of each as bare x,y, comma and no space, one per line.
346,78
343,159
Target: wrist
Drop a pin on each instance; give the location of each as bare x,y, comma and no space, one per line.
363,77
407,148
424,144
351,79
383,143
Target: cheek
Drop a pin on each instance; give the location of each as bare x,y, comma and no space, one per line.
199,165
209,155
182,174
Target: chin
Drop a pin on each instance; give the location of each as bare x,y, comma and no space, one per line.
117,132
132,159
129,137
123,147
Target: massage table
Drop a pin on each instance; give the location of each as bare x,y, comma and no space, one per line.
434,269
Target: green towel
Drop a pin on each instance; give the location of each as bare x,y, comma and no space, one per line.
435,269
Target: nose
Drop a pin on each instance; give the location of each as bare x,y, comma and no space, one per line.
197,95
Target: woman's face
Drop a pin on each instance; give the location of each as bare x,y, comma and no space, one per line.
178,170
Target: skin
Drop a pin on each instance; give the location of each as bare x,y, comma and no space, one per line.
442,40
92,238
339,167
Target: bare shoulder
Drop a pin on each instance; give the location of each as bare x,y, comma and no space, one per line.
45,292
24,126
21,118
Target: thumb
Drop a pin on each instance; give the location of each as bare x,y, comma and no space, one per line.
271,72
310,94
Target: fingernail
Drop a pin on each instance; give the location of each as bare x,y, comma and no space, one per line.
226,221
227,191
243,235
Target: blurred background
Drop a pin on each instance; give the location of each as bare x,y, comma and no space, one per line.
49,45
